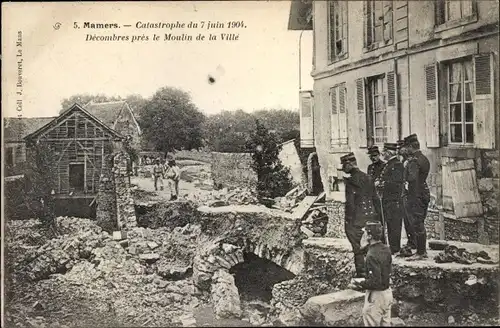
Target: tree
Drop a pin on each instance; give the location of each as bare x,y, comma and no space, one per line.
85,98
137,103
273,179
170,120
41,177
228,130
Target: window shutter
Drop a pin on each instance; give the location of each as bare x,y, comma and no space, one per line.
484,115
360,96
334,119
342,115
466,199
439,12
306,120
392,107
367,22
431,106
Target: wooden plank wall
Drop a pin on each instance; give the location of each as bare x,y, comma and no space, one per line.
78,139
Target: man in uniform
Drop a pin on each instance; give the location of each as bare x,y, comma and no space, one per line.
410,233
359,209
389,186
374,170
418,195
378,266
377,164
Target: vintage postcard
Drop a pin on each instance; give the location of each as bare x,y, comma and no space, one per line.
250,163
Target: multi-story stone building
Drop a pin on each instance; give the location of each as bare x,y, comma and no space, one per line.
385,69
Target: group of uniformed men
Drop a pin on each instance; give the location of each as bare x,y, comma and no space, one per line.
393,191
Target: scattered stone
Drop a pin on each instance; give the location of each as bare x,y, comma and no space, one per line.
397,322
153,245
38,306
149,258
451,320
119,235
225,296
124,243
341,307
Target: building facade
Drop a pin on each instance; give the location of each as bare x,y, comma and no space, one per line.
385,69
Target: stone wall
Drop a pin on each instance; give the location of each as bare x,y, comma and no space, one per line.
336,215
432,225
115,204
290,158
233,170
488,183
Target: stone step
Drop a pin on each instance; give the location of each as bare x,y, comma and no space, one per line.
342,308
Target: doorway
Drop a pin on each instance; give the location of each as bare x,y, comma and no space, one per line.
77,176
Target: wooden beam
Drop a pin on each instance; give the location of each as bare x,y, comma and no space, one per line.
77,139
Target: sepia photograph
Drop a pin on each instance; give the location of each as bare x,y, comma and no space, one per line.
250,163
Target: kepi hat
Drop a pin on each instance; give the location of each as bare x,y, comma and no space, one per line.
348,158
411,138
373,150
390,146
373,228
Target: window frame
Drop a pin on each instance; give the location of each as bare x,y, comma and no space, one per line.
442,24
333,58
371,109
373,45
343,143
462,102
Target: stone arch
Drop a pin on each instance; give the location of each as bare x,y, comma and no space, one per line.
314,183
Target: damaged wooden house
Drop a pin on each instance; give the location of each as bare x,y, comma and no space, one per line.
81,137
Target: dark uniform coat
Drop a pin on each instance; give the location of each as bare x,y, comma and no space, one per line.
359,209
418,196
391,184
374,169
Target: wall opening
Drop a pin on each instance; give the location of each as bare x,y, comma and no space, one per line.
315,185
77,176
255,277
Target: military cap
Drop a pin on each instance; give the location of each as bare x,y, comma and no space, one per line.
373,228
411,138
390,146
348,158
373,150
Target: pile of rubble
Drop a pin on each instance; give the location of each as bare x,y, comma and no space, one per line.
138,278
237,196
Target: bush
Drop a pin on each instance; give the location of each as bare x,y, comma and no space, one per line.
273,179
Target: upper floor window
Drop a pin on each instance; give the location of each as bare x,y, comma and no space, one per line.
337,21
378,23
453,10
461,101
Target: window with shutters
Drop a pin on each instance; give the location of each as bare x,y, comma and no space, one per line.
461,102
378,23
338,116
337,21
453,13
377,109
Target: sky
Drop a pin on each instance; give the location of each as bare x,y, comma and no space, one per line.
259,70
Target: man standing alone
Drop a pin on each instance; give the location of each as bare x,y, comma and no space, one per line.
378,266
389,186
360,192
418,194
